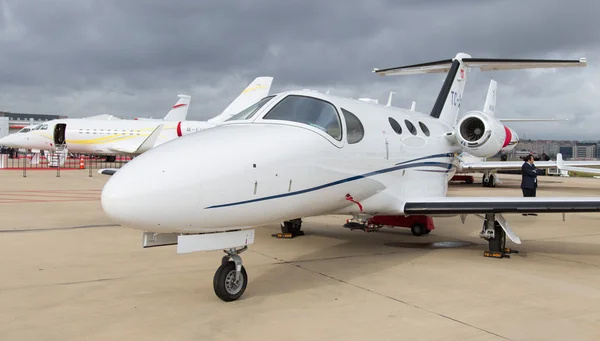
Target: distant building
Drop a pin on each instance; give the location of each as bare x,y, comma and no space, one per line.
3,126
585,151
17,121
567,152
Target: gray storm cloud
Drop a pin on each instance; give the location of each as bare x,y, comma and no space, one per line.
131,58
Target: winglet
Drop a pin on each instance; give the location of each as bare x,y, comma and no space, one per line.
559,161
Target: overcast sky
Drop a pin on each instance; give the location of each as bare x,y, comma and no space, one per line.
132,57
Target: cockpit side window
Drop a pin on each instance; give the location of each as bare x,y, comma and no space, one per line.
251,110
354,128
308,110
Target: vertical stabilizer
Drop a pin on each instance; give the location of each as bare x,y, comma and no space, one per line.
489,107
180,109
257,90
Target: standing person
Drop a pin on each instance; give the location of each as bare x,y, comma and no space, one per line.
529,179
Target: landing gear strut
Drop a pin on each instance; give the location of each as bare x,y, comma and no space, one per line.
290,229
230,280
493,232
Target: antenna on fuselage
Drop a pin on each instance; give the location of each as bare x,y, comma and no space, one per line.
389,102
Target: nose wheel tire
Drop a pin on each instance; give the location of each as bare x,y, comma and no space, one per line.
228,285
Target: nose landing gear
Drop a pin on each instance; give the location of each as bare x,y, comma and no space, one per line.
231,279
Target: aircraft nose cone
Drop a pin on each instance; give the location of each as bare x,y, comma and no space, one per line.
118,201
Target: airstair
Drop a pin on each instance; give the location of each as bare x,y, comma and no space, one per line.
58,156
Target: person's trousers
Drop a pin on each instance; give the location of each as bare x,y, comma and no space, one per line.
528,192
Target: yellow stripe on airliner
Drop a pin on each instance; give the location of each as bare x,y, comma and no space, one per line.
255,88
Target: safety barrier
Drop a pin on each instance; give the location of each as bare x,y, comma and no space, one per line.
57,162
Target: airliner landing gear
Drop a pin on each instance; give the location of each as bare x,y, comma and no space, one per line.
230,280
290,229
493,232
488,180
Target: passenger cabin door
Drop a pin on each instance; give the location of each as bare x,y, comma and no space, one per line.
59,134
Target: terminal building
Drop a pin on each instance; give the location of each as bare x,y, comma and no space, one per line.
18,121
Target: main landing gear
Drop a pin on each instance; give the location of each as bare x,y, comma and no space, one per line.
290,229
488,180
231,279
493,232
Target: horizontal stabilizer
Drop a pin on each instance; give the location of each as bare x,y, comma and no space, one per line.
133,148
531,119
484,64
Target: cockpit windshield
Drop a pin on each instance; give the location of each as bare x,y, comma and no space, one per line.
24,130
251,110
308,110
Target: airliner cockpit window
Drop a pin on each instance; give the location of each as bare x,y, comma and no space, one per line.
24,130
44,127
308,110
251,110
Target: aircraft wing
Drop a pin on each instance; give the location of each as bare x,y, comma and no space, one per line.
131,147
516,165
474,205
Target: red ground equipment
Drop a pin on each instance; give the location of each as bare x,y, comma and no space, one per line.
418,224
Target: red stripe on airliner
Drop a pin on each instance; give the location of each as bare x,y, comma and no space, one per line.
179,105
179,129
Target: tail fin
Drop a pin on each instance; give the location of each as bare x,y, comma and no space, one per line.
257,90
447,105
179,110
489,107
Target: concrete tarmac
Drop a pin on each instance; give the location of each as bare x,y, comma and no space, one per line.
67,272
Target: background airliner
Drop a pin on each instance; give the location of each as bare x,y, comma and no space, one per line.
121,136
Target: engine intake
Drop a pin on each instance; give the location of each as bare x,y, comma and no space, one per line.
480,134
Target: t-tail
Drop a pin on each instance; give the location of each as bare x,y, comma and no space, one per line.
447,104
180,109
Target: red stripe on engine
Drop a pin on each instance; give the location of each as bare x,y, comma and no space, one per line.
508,136
179,129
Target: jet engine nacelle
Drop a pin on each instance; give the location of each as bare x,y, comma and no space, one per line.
482,135
513,140
189,127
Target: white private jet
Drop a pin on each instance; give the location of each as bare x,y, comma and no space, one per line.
475,164
303,153
120,136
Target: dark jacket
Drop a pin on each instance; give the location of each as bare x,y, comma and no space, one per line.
528,176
